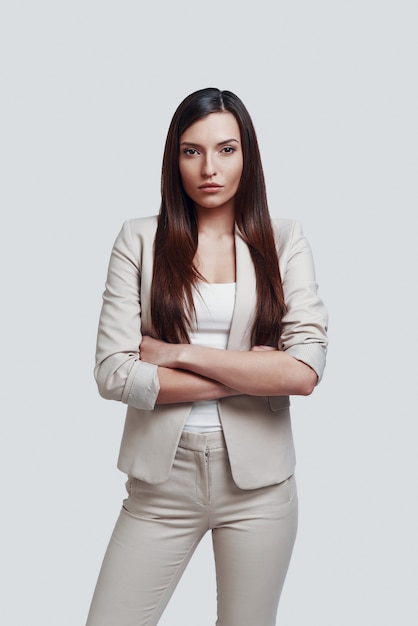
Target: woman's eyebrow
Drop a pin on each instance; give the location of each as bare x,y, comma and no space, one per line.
232,140
220,143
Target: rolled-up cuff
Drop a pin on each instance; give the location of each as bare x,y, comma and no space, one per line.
144,387
313,354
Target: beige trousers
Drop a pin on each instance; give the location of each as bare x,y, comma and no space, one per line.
253,533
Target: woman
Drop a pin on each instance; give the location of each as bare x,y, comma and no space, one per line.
210,320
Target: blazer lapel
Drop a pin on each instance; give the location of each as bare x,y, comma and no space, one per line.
245,297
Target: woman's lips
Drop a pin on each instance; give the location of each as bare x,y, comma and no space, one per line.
210,188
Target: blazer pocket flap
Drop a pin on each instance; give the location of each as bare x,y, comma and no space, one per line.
278,403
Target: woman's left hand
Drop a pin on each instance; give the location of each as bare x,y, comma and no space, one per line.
158,352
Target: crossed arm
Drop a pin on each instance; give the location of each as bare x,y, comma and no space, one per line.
189,373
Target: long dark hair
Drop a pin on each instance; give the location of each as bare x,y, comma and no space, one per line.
174,274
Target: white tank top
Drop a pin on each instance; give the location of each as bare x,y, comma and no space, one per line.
214,304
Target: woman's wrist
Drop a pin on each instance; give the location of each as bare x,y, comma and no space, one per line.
189,355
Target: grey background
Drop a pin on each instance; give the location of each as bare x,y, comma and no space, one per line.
88,90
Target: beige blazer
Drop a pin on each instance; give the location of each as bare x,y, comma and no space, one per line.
257,430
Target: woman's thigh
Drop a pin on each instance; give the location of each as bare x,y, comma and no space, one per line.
252,554
154,538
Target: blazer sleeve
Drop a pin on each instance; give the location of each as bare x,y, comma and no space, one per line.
119,372
305,323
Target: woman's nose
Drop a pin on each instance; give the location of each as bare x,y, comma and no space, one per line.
208,166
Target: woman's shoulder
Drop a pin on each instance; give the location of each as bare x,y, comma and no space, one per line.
139,225
285,228
289,237
137,234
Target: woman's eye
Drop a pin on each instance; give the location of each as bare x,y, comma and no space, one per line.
228,150
190,151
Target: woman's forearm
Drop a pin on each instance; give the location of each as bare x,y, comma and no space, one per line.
181,386
258,373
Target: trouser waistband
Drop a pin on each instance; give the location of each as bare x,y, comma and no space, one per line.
201,442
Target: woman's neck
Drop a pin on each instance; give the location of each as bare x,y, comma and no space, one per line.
215,222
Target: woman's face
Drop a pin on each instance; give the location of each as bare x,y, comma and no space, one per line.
211,161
